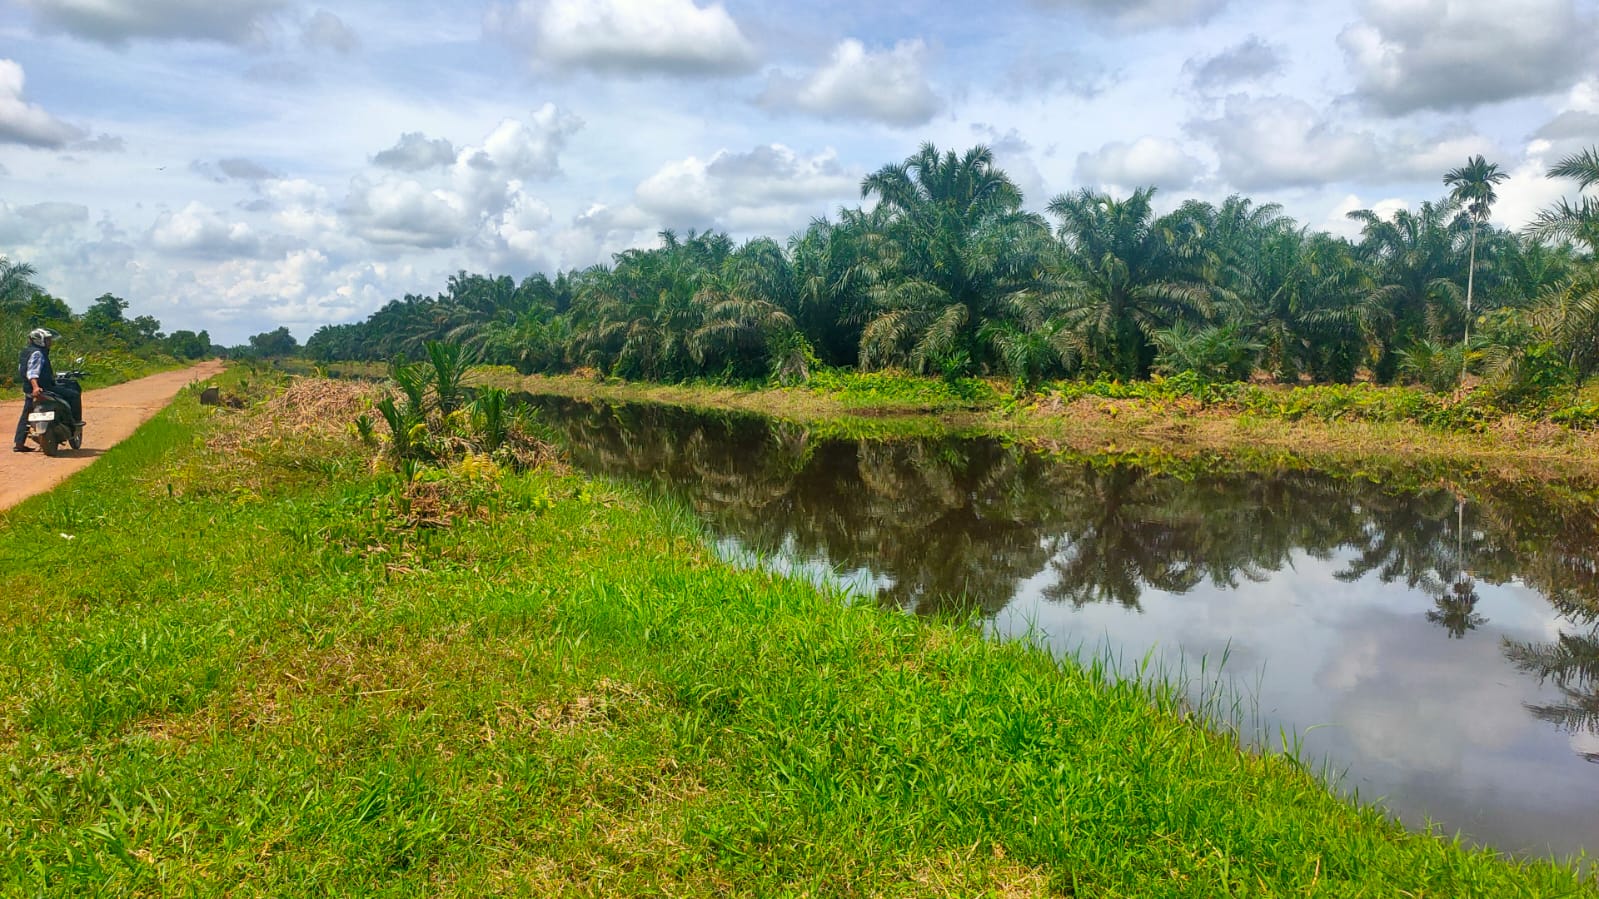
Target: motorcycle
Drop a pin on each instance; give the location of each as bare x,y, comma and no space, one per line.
56,418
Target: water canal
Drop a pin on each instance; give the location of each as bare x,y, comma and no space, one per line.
1440,651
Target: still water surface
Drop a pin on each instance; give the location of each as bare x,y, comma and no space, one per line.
1441,651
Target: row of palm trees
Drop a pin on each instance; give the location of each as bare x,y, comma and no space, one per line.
943,270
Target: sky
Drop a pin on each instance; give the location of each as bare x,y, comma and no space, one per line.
241,165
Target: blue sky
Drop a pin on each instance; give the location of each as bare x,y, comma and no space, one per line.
236,165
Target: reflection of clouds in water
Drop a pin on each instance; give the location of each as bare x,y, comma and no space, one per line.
1584,743
1407,697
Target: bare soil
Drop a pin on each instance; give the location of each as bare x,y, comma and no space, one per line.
112,414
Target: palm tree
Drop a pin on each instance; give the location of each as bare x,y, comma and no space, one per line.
1573,221
16,283
1473,188
1121,288
958,249
1414,262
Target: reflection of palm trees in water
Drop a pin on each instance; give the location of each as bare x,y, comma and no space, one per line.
1456,604
1571,663
956,525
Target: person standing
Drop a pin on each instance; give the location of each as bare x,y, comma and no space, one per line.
36,376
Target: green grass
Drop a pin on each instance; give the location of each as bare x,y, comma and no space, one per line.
229,674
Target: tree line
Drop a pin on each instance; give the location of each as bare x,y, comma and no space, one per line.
105,325
944,271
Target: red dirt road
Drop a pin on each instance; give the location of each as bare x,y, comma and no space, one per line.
112,413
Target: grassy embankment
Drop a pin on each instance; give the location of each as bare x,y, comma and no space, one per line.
230,667
1390,432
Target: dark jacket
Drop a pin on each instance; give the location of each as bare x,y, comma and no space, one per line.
47,375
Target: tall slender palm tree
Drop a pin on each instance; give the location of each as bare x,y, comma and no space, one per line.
1473,188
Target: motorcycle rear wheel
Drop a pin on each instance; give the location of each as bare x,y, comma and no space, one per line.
49,441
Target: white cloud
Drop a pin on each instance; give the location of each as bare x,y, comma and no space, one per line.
1271,142
1139,14
326,31
27,224
1529,190
476,190
770,186
301,209
415,152
521,230
196,230
1338,222
25,123
886,86
627,36
403,212
116,22
1144,162
1456,54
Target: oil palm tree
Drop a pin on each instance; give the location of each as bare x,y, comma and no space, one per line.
16,283
1573,220
1472,186
958,247
1414,264
1121,283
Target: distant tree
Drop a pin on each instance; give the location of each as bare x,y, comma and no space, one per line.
274,343
105,315
145,329
188,345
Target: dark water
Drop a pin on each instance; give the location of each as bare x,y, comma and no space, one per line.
1442,652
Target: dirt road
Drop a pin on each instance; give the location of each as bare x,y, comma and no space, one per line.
111,413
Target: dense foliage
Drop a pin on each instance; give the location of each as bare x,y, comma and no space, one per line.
946,273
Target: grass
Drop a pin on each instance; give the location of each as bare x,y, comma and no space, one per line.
232,672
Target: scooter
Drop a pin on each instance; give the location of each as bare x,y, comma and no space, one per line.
55,417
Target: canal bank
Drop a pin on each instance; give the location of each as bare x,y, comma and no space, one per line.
266,681
1358,430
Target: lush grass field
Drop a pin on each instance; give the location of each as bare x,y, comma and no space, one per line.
238,672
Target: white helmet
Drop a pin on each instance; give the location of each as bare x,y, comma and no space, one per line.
41,336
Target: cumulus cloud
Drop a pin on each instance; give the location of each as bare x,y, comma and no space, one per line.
196,230
326,31
1251,60
768,187
856,83
481,186
27,224
116,22
415,152
1141,14
1457,54
1271,142
676,37
1148,161
514,152
404,212
27,124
